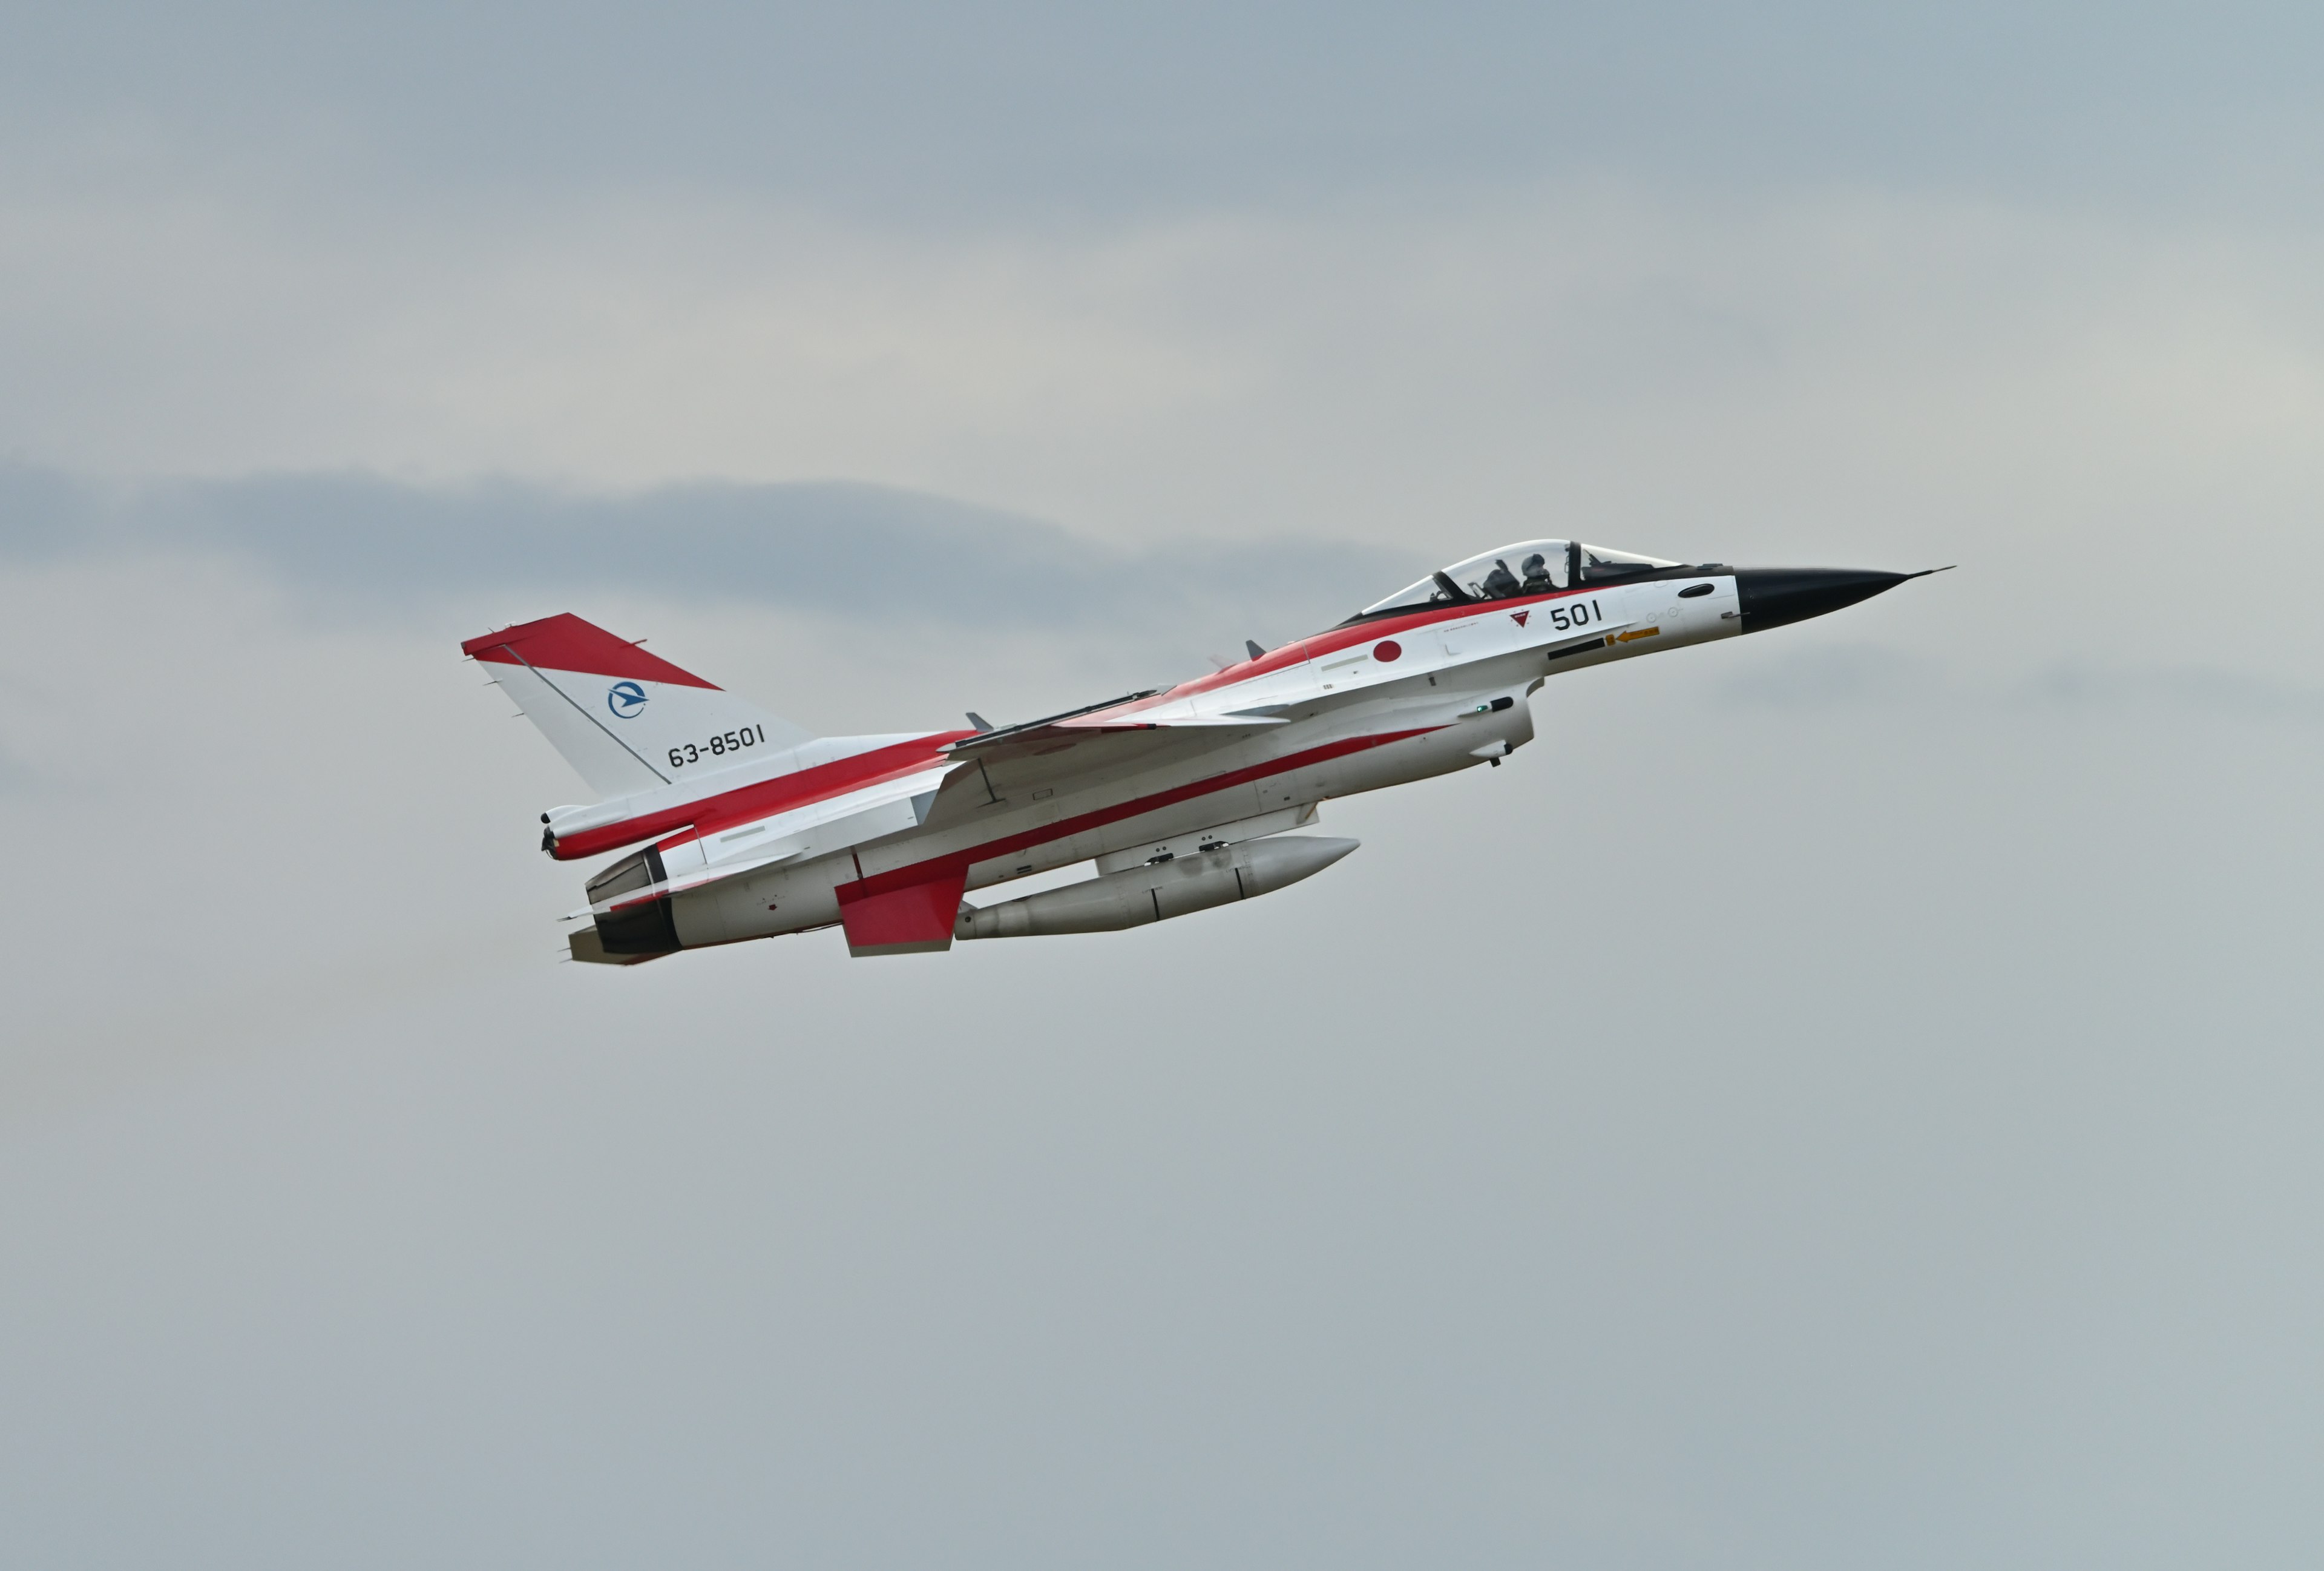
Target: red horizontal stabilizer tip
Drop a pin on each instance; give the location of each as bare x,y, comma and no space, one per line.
915,919
566,644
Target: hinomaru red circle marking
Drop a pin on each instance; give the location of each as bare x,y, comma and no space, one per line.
1388,649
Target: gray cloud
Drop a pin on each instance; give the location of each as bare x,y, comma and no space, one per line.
2198,690
1864,676
1845,675
1841,1097
955,111
17,778
854,551
1742,1134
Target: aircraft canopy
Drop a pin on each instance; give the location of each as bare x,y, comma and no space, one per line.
1530,567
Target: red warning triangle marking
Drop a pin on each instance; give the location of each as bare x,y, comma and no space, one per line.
1519,617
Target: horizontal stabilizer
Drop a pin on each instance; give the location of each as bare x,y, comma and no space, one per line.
588,945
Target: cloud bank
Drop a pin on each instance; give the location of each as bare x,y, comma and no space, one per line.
1846,1098
858,553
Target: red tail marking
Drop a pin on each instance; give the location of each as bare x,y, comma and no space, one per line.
565,643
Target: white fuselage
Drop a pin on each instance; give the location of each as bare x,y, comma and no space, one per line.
1244,753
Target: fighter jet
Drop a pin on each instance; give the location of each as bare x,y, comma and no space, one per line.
1183,797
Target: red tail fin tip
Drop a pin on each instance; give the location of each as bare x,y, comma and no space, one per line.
565,643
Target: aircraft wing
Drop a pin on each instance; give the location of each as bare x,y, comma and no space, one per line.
1110,715
1028,760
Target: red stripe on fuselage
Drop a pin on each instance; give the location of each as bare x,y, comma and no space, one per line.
1339,638
766,797
1330,642
958,862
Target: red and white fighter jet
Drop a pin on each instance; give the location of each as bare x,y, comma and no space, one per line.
752,828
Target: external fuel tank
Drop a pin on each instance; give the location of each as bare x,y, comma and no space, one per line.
1158,891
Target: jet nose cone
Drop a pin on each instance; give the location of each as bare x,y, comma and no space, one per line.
1772,596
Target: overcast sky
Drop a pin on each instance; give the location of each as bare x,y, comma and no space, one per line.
1846,1098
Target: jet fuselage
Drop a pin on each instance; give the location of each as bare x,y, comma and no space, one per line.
883,834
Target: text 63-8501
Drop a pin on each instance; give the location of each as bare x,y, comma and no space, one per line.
718,746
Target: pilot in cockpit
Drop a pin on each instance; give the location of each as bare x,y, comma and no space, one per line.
1500,582
1536,575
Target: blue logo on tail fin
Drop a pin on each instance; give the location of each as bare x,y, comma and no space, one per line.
625,699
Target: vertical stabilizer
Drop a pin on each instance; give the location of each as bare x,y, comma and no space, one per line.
626,720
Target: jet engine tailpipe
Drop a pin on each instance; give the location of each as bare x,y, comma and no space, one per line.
1157,890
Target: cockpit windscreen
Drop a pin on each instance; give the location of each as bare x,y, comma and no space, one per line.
1533,567
1600,564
